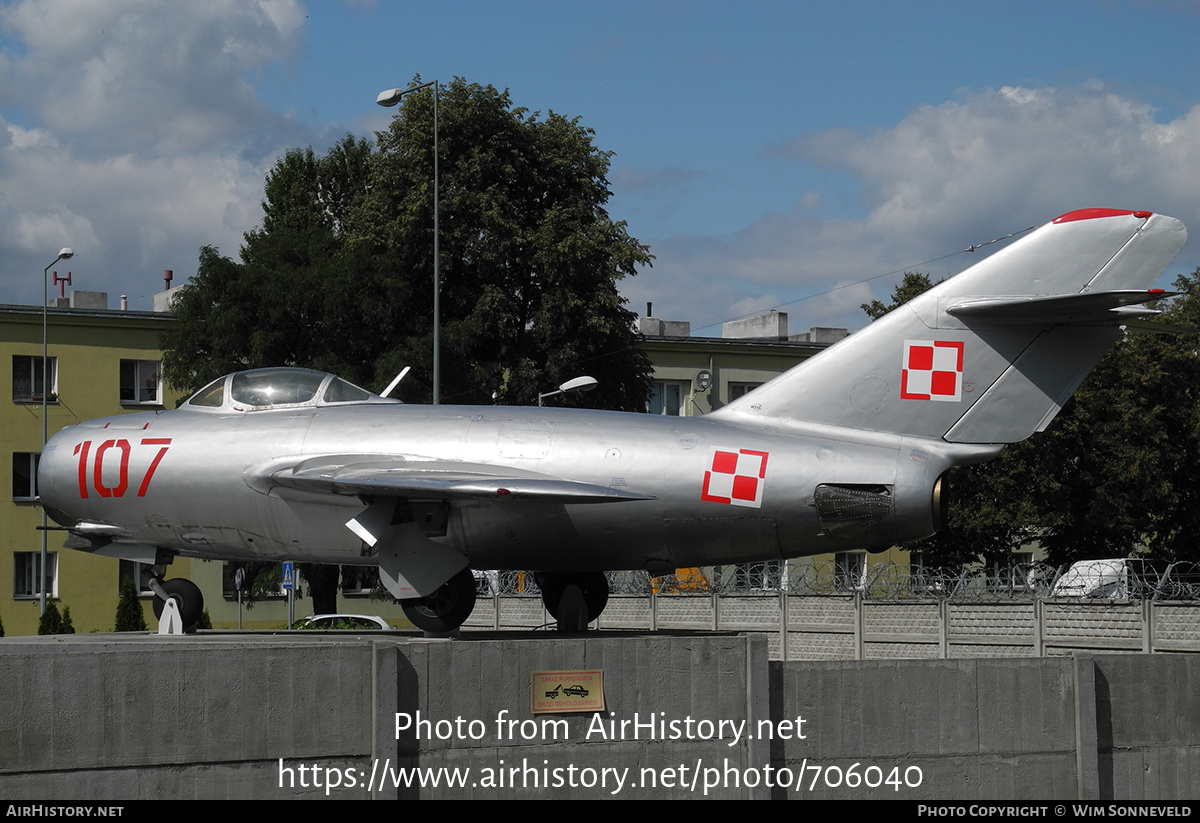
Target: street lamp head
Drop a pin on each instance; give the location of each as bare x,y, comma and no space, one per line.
390,97
65,254
579,384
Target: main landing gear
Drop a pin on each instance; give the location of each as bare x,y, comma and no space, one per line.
447,608
574,599
186,595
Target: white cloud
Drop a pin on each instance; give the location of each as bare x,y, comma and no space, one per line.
146,76
137,135
945,177
1023,154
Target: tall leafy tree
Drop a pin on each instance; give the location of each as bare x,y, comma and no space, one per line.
294,298
1125,458
339,275
530,259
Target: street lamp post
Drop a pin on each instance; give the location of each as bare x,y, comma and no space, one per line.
579,384
390,98
63,254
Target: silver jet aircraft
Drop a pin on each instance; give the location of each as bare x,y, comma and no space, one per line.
845,451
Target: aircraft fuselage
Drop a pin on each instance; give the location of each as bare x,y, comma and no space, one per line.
199,484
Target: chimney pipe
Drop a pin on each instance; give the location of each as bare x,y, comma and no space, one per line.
649,309
124,303
168,274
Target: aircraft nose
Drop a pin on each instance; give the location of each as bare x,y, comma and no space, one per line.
53,463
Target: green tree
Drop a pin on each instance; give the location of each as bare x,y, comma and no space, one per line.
298,296
51,621
530,259
130,617
1124,454
339,275
913,283
322,580
265,580
66,626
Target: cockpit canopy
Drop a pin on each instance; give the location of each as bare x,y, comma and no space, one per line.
259,389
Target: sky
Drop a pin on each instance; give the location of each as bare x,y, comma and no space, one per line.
793,155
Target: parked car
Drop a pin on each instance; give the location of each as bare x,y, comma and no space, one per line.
1117,578
342,622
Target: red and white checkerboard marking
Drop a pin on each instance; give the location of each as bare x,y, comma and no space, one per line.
736,477
932,370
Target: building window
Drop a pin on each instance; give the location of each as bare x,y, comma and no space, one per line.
27,580
736,390
1015,575
666,397
27,378
140,574
851,571
141,381
24,476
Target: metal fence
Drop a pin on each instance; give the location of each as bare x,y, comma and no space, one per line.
826,610
1123,579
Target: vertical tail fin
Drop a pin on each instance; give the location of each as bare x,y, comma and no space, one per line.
990,355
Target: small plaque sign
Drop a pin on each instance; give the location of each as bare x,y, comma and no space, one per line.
559,692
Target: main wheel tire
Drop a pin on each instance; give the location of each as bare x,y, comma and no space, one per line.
187,597
447,608
594,586
572,610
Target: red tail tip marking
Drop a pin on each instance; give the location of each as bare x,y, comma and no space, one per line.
1092,214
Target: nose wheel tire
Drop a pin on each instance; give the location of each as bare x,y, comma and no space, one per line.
447,608
187,597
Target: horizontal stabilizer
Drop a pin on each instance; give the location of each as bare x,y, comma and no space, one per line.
1108,307
1158,328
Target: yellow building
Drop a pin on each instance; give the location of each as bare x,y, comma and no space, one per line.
101,362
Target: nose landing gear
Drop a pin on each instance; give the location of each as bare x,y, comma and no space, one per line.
187,598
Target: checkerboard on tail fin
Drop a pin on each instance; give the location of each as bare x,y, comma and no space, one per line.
990,355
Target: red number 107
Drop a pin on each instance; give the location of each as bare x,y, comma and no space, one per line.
84,450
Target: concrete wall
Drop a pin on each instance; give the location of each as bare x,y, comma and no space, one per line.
852,627
108,718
